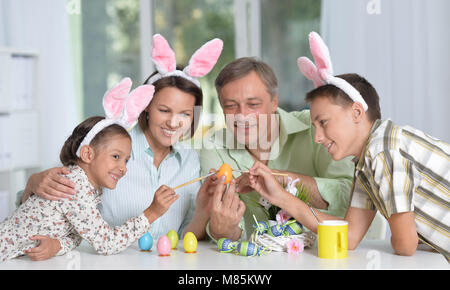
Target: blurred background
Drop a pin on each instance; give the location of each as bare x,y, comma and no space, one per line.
58,57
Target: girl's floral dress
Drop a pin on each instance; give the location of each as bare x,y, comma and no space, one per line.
69,221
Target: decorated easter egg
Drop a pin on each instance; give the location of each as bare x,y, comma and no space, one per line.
146,242
173,237
261,227
247,249
275,230
163,246
225,245
226,170
293,228
190,242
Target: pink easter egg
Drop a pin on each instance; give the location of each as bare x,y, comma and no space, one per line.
163,246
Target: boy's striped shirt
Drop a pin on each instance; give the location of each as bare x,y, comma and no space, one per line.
402,169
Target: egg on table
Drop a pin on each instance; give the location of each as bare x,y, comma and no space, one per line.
173,237
226,170
146,242
190,242
163,246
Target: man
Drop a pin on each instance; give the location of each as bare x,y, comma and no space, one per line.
258,130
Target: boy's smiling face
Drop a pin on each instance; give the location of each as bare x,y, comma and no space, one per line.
336,128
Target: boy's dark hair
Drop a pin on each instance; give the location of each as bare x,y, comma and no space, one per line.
68,155
181,84
241,67
338,96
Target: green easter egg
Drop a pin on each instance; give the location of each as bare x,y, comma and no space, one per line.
173,237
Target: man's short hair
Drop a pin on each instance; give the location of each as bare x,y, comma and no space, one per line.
243,66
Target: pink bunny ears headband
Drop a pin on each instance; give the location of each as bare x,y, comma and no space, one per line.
321,73
121,107
200,64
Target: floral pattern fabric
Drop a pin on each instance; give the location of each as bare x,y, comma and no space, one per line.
69,221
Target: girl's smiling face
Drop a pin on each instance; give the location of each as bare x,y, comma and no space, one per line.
110,162
170,115
335,128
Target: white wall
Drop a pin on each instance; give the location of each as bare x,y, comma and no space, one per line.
42,26
403,48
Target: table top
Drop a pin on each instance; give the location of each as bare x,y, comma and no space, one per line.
370,254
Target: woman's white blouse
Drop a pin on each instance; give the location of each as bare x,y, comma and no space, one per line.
134,192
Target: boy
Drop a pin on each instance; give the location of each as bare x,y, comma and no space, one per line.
400,171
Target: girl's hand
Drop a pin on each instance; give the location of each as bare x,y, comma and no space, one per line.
264,182
47,248
50,185
163,199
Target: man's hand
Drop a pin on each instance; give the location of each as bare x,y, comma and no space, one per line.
227,211
47,248
243,184
162,200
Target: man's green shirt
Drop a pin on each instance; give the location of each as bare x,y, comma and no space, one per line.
293,151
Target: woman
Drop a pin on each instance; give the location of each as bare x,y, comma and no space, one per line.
158,158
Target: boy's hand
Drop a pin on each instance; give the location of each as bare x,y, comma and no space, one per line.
47,248
264,182
163,199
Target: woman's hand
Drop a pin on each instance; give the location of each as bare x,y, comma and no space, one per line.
264,182
49,184
205,194
163,199
47,248
203,207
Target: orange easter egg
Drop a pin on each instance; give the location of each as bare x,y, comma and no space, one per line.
226,170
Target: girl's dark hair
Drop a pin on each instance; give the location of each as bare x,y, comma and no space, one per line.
68,155
181,84
339,97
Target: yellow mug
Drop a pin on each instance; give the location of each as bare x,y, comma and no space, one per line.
332,239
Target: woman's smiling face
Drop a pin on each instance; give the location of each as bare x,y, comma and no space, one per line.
170,115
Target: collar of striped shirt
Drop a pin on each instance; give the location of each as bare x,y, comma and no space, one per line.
359,162
140,146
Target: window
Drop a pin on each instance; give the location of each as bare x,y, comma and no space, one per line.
189,24
284,38
109,50
108,42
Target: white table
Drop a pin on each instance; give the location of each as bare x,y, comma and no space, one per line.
370,254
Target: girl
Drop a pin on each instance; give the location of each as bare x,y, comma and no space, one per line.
96,155
157,155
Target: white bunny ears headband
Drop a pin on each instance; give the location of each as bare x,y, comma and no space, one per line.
121,107
200,64
321,73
